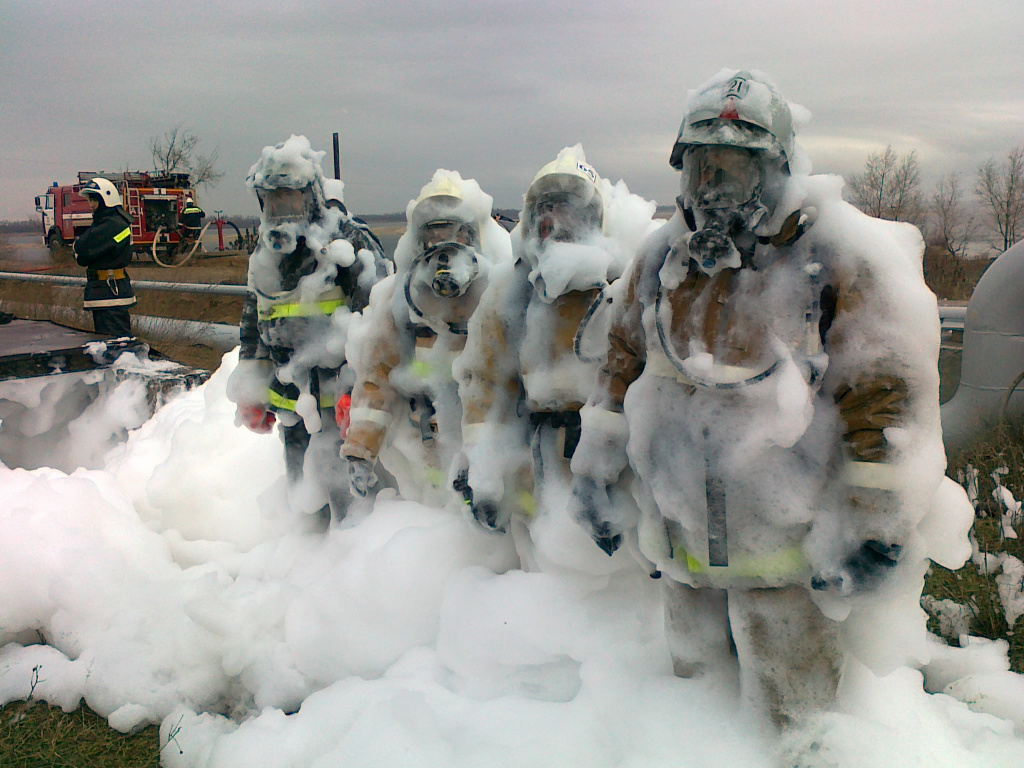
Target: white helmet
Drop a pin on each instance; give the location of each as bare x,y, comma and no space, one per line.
738,110
569,184
104,190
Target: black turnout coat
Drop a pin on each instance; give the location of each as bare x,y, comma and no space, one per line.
105,249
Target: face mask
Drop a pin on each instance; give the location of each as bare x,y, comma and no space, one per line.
722,186
443,286
284,204
564,217
454,267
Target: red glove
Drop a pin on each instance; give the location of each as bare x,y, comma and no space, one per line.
342,414
256,418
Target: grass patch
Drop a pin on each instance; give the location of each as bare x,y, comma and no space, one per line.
952,277
34,735
998,457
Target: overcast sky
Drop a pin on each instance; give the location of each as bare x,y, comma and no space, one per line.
491,89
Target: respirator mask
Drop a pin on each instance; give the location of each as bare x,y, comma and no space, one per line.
286,213
721,187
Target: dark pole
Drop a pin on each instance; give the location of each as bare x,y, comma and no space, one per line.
337,158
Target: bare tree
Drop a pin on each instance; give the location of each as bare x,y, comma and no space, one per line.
889,187
954,225
177,152
1001,191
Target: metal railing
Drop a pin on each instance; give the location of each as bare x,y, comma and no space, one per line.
219,336
952,317
148,285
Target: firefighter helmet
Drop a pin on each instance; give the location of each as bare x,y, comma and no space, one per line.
103,190
740,109
291,166
440,215
563,200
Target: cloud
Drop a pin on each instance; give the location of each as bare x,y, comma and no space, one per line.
491,89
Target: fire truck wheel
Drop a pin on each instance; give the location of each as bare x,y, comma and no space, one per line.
56,242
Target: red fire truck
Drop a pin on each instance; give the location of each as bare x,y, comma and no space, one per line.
154,201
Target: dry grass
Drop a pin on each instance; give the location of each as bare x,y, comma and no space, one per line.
999,448
34,735
950,277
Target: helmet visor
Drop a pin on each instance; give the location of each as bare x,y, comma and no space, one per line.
565,216
721,175
284,204
91,188
447,231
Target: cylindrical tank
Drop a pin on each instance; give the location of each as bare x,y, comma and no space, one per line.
993,352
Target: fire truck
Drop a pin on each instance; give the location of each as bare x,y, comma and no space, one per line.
154,201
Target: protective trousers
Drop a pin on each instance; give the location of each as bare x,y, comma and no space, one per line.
329,468
789,653
112,321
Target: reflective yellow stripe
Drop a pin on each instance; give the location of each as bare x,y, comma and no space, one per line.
280,401
785,563
527,504
126,232
302,310
868,474
283,403
429,362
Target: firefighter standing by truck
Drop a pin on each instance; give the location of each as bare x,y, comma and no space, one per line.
105,249
191,220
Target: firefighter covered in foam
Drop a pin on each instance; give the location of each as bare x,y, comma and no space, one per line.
313,268
771,380
405,406
521,382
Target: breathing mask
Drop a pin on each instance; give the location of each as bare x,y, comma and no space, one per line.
565,216
721,188
286,213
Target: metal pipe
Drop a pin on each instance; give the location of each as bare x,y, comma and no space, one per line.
337,157
951,315
219,336
993,353
148,285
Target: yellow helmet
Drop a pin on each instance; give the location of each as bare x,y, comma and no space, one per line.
566,178
440,207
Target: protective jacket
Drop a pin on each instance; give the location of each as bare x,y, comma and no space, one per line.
753,400
105,249
192,216
522,388
276,325
521,358
405,395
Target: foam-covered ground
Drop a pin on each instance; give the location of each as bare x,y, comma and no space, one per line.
173,586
